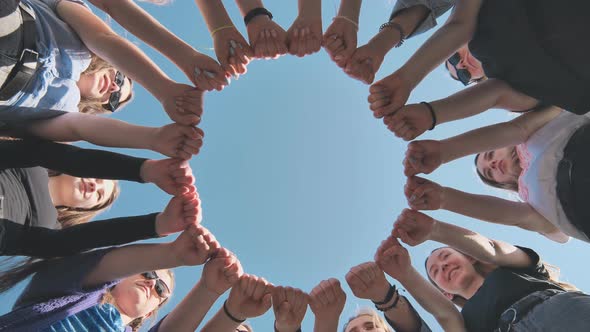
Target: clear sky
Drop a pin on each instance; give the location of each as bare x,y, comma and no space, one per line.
296,176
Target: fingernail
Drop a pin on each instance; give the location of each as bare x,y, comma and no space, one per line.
178,103
209,74
268,34
412,198
197,71
233,43
232,52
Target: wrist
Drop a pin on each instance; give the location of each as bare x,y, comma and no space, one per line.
278,327
410,75
173,256
233,310
145,171
206,294
381,292
435,234
407,277
159,225
385,40
443,199
165,88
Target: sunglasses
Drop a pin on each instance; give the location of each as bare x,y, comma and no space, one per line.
161,288
115,98
463,75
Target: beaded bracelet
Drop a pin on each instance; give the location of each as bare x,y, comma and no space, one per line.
230,316
395,26
391,306
431,113
353,22
388,297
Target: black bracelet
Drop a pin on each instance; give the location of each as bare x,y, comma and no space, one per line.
395,26
431,113
275,327
388,297
256,12
392,305
230,315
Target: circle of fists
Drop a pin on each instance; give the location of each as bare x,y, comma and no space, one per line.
367,281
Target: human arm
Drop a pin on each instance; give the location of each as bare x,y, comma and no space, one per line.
191,247
137,21
267,38
413,228
340,38
128,58
395,261
289,306
367,281
304,37
231,49
173,140
219,274
413,120
326,301
367,59
391,93
249,297
423,194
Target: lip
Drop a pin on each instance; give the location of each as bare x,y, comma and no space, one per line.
84,188
502,166
450,272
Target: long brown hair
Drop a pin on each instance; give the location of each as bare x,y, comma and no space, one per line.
138,322
91,105
484,269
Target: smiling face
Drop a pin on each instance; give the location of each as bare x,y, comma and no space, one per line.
82,193
100,84
451,271
136,296
501,166
466,62
364,323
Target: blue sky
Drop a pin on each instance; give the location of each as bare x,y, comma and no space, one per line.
296,176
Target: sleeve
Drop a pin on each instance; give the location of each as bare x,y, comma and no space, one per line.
156,327
46,243
437,8
537,268
61,277
423,326
69,159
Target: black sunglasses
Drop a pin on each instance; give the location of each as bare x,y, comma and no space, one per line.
161,288
114,99
463,75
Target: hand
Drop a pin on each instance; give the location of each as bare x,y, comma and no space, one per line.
177,141
389,94
205,73
232,51
413,227
174,176
289,305
340,41
249,297
327,299
367,281
365,62
409,121
181,212
305,36
194,246
183,103
267,38
393,259
221,272
422,157
423,194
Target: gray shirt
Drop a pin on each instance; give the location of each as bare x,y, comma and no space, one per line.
436,7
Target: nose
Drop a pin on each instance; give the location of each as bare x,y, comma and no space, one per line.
114,87
461,64
494,164
90,185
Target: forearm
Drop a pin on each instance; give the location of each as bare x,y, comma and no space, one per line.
47,243
187,315
350,9
141,24
309,8
220,323
214,14
408,19
456,32
403,318
433,301
132,259
93,129
325,324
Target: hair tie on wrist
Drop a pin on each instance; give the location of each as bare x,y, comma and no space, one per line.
388,297
431,113
256,12
356,25
395,26
230,316
392,305
216,30
276,330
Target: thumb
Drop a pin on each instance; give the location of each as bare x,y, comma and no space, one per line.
266,300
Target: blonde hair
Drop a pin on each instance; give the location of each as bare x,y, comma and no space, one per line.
136,324
377,319
91,105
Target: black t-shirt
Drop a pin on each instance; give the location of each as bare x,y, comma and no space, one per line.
501,288
513,46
